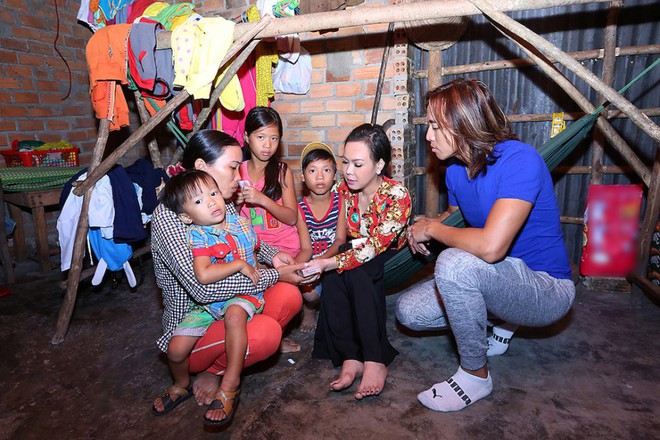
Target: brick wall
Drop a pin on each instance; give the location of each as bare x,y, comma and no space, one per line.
35,79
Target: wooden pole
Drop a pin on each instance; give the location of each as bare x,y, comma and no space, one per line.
154,152
432,162
6,257
641,120
609,59
648,227
368,14
66,309
617,141
141,132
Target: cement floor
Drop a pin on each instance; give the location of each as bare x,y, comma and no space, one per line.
591,376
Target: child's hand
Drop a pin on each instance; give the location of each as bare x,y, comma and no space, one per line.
252,195
239,197
250,272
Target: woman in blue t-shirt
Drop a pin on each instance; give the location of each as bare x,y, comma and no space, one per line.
511,262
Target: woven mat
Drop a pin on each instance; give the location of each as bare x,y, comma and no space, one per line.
17,179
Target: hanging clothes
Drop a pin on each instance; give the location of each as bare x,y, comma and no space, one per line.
233,122
143,173
106,61
266,58
198,48
150,69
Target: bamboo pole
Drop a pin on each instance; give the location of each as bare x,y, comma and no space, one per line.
154,152
432,202
66,309
368,14
134,138
592,80
609,59
517,63
617,141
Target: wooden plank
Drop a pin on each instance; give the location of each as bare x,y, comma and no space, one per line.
432,202
517,63
607,284
570,116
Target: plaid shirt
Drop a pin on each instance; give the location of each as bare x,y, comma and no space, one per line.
174,272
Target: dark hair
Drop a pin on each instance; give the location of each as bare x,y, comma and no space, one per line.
466,109
183,187
318,154
275,171
377,141
207,145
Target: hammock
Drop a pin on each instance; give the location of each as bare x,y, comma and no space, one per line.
404,264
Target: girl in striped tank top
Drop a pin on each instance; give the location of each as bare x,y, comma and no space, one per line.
324,215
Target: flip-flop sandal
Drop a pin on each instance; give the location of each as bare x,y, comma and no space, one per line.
221,402
169,404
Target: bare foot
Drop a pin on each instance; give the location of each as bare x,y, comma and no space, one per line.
350,369
373,380
308,324
205,387
289,346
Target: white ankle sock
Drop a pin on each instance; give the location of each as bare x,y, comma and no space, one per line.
457,392
498,342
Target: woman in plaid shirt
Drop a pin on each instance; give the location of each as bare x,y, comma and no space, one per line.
219,155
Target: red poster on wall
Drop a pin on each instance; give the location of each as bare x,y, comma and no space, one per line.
611,229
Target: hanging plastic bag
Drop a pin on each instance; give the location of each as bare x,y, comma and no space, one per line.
295,77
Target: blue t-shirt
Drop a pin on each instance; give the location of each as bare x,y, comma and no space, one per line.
518,173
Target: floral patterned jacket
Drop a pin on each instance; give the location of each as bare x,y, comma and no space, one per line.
384,221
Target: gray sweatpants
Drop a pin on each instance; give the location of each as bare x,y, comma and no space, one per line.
466,289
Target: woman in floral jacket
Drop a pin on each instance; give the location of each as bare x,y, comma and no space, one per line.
351,328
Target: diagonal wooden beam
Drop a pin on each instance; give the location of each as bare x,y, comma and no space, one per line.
543,45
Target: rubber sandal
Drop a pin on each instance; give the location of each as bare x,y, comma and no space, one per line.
169,404
221,401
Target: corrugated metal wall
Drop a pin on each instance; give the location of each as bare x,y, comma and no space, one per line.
528,90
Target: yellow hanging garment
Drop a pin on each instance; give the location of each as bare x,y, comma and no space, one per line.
198,48
266,58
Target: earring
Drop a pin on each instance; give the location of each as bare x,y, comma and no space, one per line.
378,172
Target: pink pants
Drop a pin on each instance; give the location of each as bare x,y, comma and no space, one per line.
282,302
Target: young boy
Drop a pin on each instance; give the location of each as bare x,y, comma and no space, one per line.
324,215
222,245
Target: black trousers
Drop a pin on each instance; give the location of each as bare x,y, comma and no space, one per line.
351,324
